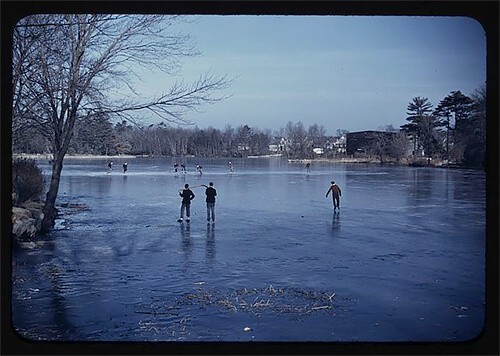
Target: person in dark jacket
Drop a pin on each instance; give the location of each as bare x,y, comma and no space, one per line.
187,195
336,193
210,192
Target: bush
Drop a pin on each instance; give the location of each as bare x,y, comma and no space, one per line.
27,181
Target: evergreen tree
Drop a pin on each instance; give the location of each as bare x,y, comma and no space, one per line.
455,112
93,136
476,150
422,126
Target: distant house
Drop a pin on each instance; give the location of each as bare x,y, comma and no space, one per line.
243,148
363,141
279,145
273,148
318,150
339,144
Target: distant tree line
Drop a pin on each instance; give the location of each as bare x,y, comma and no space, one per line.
98,136
453,132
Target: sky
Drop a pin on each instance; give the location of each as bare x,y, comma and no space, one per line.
343,72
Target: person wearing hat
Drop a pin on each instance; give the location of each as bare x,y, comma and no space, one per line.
187,195
336,193
210,192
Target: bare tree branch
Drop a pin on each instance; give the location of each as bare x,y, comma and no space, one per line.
65,67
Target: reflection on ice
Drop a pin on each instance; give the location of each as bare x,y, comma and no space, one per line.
336,221
407,244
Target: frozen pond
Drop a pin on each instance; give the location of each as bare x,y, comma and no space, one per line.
403,260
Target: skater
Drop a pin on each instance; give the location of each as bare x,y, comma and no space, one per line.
199,169
125,167
308,167
231,168
183,168
210,192
187,195
176,166
336,193
110,167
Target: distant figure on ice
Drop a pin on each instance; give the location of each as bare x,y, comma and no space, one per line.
308,167
125,167
231,168
199,168
187,195
183,168
176,166
110,167
336,193
210,192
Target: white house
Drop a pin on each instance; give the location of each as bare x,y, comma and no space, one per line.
339,145
279,146
336,144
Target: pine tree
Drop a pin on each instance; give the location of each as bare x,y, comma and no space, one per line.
455,113
422,126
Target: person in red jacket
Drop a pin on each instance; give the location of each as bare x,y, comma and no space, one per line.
336,193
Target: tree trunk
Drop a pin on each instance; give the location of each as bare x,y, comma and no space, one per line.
448,141
49,210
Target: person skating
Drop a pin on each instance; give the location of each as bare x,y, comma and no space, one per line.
187,195
308,167
183,168
110,167
336,193
231,167
210,192
176,166
125,167
199,169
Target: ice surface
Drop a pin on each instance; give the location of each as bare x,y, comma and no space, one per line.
405,255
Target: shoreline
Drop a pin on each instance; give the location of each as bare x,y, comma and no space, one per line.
360,160
334,160
48,156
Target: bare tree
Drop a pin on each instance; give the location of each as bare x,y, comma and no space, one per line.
399,146
316,134
296,135
380,146
65,68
